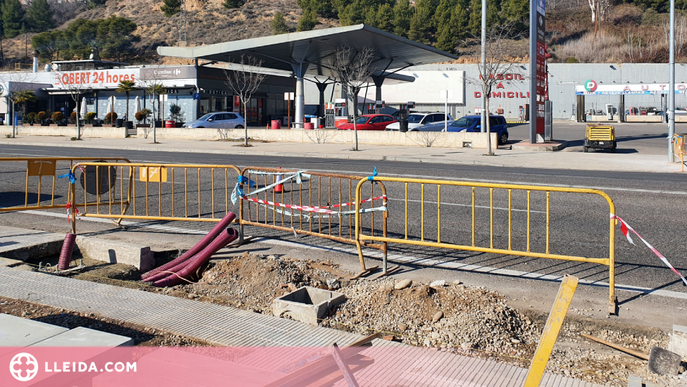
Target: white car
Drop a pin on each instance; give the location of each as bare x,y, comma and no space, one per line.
416,120
221,120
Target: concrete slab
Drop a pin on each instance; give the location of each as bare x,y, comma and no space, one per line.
21,332
85,337
116,252
548,146
22,244
9,261
678,340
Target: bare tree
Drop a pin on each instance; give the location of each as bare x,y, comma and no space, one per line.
353,68
491,74
75,89
244,80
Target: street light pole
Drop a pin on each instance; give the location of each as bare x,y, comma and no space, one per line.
671,88
483,120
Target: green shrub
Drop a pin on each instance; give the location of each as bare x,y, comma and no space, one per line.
572,59
142,114
90,117
31,118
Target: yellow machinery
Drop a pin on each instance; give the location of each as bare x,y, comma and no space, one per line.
599,137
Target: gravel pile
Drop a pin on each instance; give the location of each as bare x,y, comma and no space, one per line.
440,315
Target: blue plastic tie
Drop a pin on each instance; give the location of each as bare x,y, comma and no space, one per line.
245,180
70,175
374,173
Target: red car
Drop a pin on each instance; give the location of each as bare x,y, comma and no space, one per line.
370,122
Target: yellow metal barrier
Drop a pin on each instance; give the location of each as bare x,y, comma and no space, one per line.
185,192
524,232
37,170
312,203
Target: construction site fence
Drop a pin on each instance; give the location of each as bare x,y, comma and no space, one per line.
468,210
147,191
318,204
679,149
46,181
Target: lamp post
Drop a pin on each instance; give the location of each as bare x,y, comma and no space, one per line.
671,87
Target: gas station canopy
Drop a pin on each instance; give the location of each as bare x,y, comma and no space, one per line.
308,55
316,48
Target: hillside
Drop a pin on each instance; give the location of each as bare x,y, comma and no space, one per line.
629,34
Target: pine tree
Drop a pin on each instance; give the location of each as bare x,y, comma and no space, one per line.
421,23
39,16
452,31
385,18
12,18
308,20
231,4
353,13
402,15
171,7
279,24
475,21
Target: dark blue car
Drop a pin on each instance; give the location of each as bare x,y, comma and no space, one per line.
497,125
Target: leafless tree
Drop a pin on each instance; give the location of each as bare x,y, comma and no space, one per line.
353,68
76,89
244,80
496,64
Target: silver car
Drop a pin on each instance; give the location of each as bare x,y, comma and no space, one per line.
220,120
417,120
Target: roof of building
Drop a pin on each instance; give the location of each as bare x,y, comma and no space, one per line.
316,49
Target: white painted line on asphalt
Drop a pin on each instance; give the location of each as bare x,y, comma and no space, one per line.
397,258
466,205
638,190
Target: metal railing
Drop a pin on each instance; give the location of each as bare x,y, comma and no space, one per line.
36,194
515,231
312,203
147,191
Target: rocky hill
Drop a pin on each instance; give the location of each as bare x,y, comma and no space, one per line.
628,33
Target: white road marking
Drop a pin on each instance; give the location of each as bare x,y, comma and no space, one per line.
394,257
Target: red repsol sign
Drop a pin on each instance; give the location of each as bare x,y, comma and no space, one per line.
93,77
504,94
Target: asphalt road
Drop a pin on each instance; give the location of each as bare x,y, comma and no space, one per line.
650,203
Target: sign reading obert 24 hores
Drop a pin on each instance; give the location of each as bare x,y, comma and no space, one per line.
94,78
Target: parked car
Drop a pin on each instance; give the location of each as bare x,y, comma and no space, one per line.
497,124
418,119
221,120
370,122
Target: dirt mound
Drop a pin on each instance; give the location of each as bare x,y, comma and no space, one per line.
256,280
453,315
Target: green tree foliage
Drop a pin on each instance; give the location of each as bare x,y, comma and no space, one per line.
353,13
308,20
48,44
171,7
279,24
110,38
385,18
421,24
115,34
323,8
231,4
402,15
12,18
39,16
451,31
516,12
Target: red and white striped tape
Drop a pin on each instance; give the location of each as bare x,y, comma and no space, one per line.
319,210
625,229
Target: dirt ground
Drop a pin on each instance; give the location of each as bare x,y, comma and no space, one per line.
453,317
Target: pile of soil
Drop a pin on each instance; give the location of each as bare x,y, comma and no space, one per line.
438,316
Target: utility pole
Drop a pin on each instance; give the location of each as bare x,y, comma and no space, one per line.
671,88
